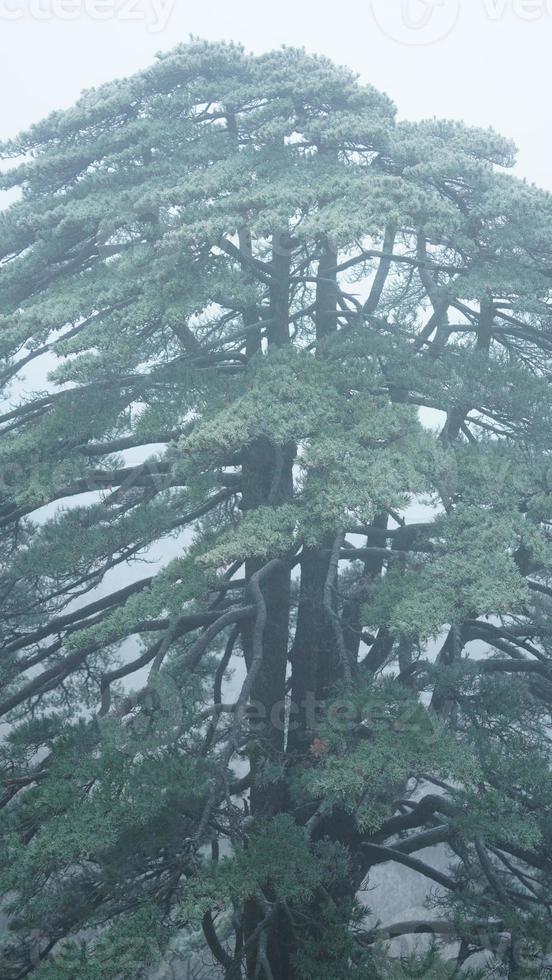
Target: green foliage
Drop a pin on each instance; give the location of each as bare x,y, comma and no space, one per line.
277,858
289,396
129,952
398,737
471,573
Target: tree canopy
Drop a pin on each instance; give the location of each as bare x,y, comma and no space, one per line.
244,308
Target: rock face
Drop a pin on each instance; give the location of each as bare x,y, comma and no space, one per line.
199,967
401,895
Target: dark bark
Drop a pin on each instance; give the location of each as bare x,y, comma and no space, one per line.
312,647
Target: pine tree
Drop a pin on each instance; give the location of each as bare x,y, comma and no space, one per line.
243,284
